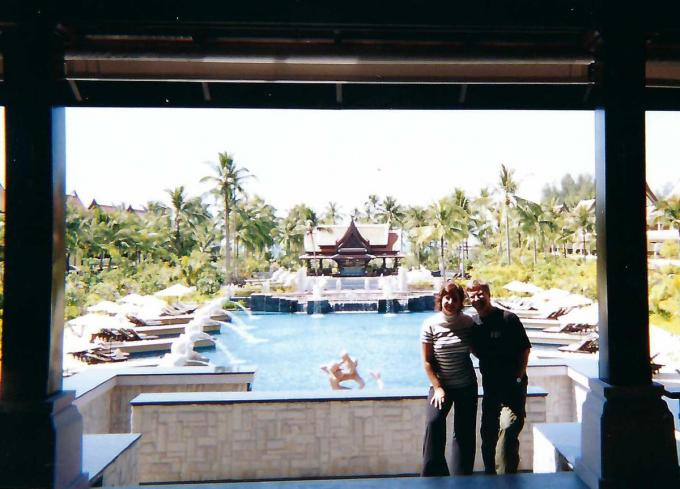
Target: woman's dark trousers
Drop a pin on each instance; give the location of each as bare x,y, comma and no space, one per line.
464,440
503,413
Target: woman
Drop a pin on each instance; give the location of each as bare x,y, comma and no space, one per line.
446,339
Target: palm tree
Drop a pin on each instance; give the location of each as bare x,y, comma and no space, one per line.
464,224
254,222
482,212
293,228
156,232
391,212
207,241
185,212
533,221
416,218
441,229
371,207
73,238
584,222
332,215
670,211
227,181
508,187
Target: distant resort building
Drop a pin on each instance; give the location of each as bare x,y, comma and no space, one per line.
110,209
352,248
75,201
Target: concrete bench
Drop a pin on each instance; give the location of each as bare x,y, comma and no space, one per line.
556,446
111,460
673,400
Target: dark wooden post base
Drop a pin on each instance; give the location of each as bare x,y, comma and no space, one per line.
43,436
627,438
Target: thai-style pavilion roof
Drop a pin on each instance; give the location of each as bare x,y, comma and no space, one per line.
74,200
102,207
376,235
588,204
139,212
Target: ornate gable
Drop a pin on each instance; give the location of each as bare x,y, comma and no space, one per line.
352,241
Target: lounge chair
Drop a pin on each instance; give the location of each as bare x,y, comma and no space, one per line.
178,309
571,328
97,355
589,344
120,334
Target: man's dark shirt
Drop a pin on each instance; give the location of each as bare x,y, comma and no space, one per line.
498,341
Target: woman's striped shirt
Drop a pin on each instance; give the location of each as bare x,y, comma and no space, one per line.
450,338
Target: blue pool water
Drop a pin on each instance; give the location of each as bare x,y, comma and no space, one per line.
288,349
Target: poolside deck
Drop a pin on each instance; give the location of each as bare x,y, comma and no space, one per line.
173,329
160,345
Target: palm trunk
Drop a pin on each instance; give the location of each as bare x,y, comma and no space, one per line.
236,258
507,232
583,251
535,252
227,246
178,246
442,264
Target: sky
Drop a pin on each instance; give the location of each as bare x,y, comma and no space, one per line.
132,156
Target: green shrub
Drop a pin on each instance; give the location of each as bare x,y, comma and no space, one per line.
422,285
670,249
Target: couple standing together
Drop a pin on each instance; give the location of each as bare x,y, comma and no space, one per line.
498,339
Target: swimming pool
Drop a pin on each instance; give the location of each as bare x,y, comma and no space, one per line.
288,349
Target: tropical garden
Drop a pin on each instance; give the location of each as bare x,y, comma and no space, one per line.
228,235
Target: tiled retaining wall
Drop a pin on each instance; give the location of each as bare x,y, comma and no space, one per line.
561,403
106,407
260,435
124,471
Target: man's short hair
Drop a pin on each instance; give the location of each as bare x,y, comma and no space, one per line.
477,283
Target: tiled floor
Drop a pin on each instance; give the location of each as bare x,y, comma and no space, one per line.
562,480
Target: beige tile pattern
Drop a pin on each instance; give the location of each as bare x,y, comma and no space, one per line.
124,471
262,440
107,408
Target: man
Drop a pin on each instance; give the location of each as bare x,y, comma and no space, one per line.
502,346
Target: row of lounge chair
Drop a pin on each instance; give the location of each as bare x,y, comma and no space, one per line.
99,354
120,334
519,307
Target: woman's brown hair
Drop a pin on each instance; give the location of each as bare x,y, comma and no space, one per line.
453,289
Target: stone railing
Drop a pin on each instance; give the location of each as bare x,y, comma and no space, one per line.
103,397
272,435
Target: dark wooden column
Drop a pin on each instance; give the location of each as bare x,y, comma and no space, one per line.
623,410
40,428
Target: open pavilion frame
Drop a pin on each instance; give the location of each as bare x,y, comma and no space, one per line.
614,58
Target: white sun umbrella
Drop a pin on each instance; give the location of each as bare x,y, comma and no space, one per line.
78,331
581,315
144,306
522,287
177,290
93,320
106,307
